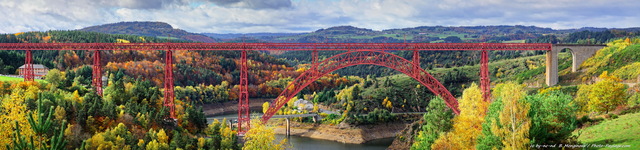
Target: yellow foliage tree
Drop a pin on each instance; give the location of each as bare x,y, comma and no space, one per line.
316,108
110,139
514,122
604,95
162,136
60,114
76,97
262,137
265,107
468,125
386,103
13,109
155,145
291,102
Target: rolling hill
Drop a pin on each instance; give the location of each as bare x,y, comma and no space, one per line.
153,29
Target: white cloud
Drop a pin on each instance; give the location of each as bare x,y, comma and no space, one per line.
233,16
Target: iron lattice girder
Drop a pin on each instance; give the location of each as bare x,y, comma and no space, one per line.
360,57
276,46
168,84
97,73
28,72
485,82
244,118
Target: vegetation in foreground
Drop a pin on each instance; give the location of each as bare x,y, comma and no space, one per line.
518,119
621,130
50,115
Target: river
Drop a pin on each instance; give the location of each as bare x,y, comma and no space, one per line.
305,143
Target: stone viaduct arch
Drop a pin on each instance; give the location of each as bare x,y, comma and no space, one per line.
579,53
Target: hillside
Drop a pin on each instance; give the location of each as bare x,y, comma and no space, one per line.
153,29
431,34
616,133
194,71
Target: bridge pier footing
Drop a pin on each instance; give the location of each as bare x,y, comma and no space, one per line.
288,128
552,67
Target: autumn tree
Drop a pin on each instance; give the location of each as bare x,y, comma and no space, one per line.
602,96
265,107
115,138
13,109
387,104
437,121
261,136
514,122
468,125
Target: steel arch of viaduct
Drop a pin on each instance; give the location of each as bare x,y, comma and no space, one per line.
361,57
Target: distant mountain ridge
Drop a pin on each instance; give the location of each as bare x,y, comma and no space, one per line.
154,29
351,34
421,34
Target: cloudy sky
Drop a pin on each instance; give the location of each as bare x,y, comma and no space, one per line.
246,16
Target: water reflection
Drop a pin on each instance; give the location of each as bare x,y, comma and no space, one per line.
305,143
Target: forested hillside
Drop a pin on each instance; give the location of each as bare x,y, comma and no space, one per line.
152,29
195,71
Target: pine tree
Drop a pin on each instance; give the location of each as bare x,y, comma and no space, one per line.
437,121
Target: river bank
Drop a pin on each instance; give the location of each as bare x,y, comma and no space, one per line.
339,133
344,134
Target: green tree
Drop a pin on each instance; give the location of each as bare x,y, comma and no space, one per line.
437,121
553,117
54,77
489,140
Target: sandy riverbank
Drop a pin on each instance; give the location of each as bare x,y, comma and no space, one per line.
352,135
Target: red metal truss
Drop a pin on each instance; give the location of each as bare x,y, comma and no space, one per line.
275,46
359,57
485,83
97,73
357,53
28,67
416,60
243,102
168,83
314,57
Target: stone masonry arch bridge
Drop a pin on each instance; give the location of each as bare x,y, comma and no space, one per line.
579,53
357,53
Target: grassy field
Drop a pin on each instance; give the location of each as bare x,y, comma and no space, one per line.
623,131
3,78
514,41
